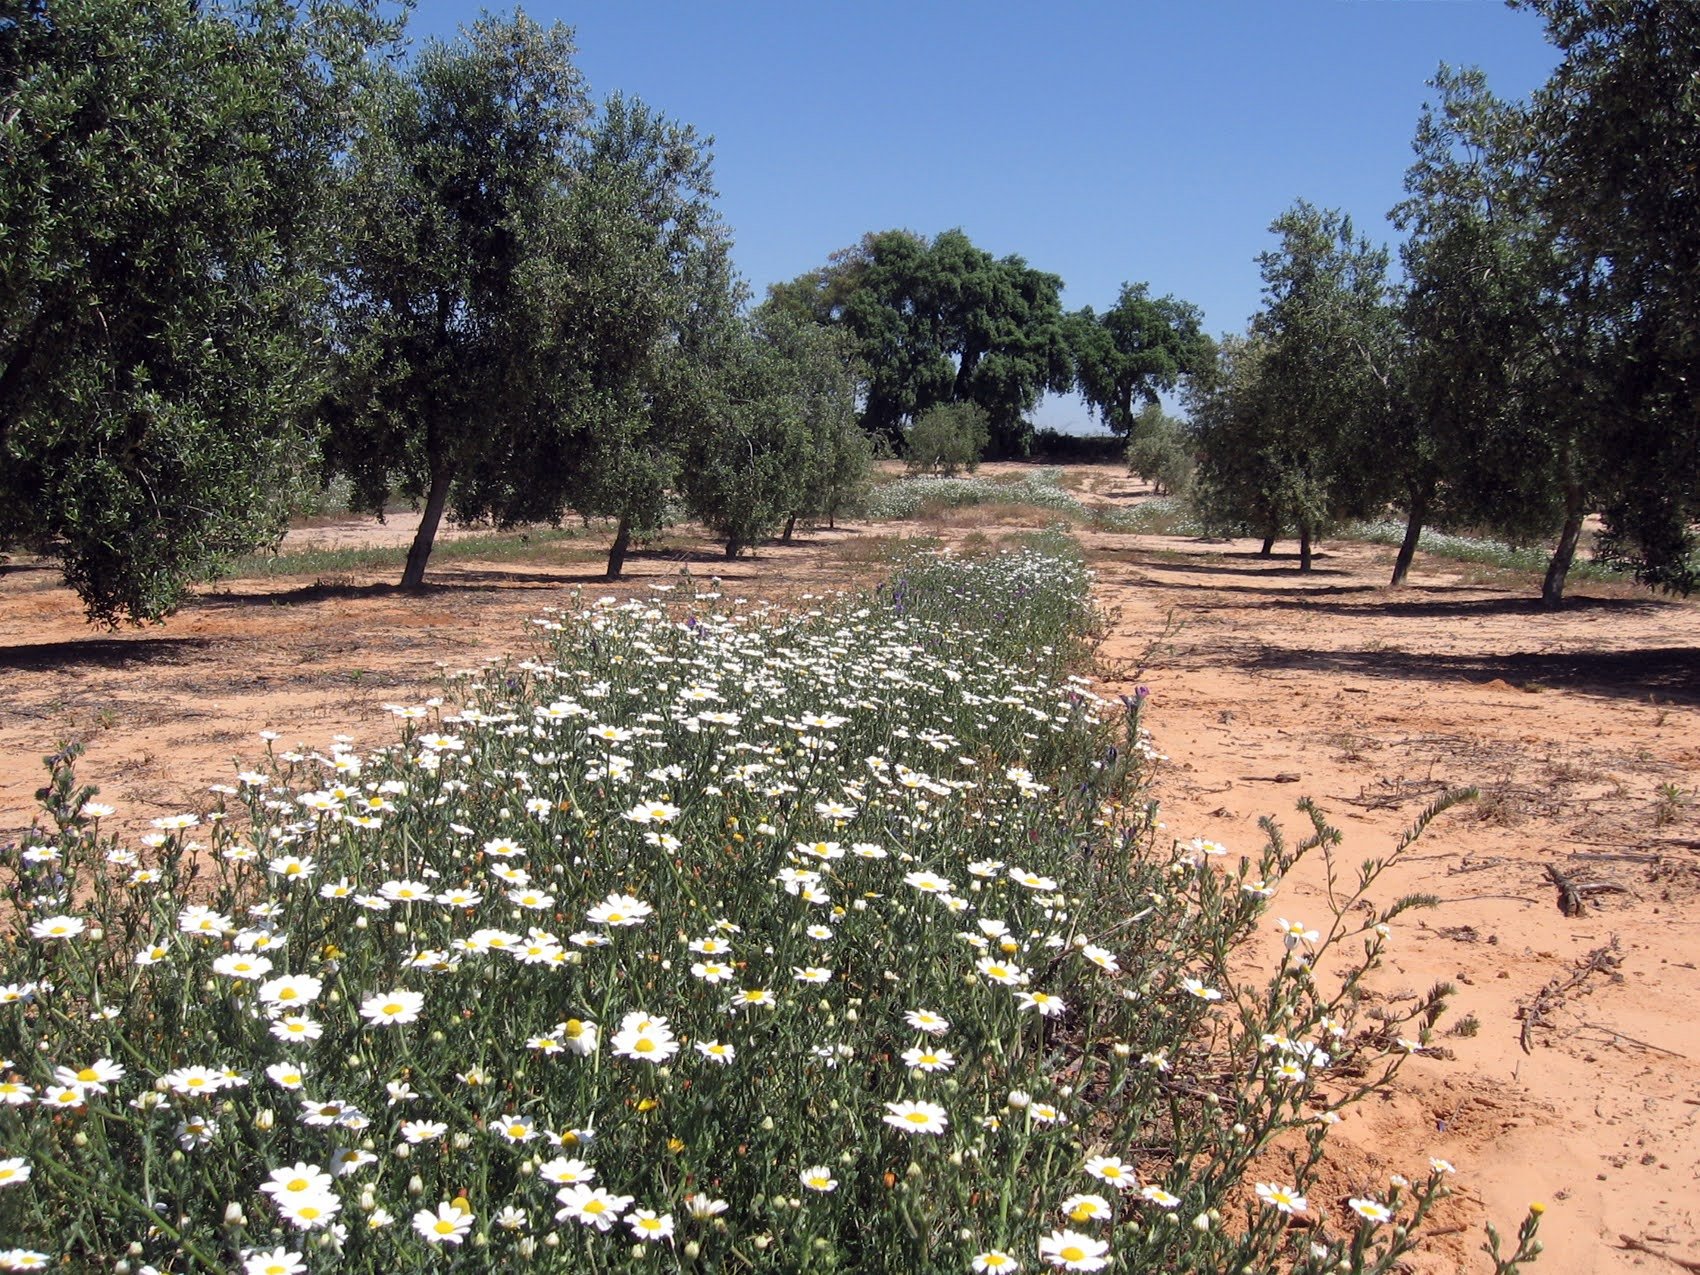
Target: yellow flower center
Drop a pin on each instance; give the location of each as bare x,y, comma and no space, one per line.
443,1226
88,1073
1073,1253
296,1184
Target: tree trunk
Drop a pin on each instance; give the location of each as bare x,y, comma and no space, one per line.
1413,532
617,551
1268,547
732,547
413,575
790,526
1552,588
1304,547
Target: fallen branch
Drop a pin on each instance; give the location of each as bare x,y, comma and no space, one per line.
1641,1246
1569,898
1601,959
1617,1035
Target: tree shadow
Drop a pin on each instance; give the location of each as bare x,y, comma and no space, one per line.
1217,564
110,652
1668,673
1441,608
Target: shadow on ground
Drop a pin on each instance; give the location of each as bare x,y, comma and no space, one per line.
1670,673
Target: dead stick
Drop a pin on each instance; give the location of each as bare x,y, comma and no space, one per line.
1657,1049
1548,997
1641,1246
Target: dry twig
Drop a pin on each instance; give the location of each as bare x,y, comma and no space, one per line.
1601,959
1641,1246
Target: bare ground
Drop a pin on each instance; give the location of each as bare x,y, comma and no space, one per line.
1581,728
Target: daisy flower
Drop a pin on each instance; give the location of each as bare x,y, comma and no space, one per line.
818,1178
291,989
924,1020
591,1206
995,1260
1113,1170
1072,1251
650,1226
929,1059
1285,1198
1371,1210
620,910
1086,1208
717,1051
392,1008
565,1172
58,927
448,1225
277,1261
644,1039
1047,1005
916,1117
13,1171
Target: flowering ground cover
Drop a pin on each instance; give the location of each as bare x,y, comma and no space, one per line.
700,937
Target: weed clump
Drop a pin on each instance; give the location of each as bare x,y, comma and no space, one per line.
721,937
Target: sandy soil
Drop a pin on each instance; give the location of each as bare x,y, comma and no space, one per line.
1581,728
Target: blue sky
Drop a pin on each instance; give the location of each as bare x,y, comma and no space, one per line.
1146,140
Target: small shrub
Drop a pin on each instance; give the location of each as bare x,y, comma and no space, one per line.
947,438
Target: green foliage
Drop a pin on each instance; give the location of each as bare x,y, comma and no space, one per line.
1160,450
941,321
1461,438
456,196
946,438
1296,442
1620,126
163,172
1124,356
885,855
772,409
638,246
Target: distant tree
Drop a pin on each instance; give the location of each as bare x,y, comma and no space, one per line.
1463,440
1142,345
941,321
947,438
452,357
638,245
773,395
1620,129
1240,481
163,173
1160,450
1311,415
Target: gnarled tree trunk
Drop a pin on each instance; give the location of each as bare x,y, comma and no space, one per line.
413,574
1420,499
617,551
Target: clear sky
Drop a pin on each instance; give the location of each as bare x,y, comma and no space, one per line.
1140,140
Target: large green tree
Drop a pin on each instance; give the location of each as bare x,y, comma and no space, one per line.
1138,347
1316,399
1465,439
942,321
641,255
163,179
454,370
1620,121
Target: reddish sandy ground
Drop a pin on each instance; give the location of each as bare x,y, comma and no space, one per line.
1581,728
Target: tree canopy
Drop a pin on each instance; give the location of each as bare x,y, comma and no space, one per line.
449,327
1139,346
163,180
941,321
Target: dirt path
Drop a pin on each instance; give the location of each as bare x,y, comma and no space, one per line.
1582,729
